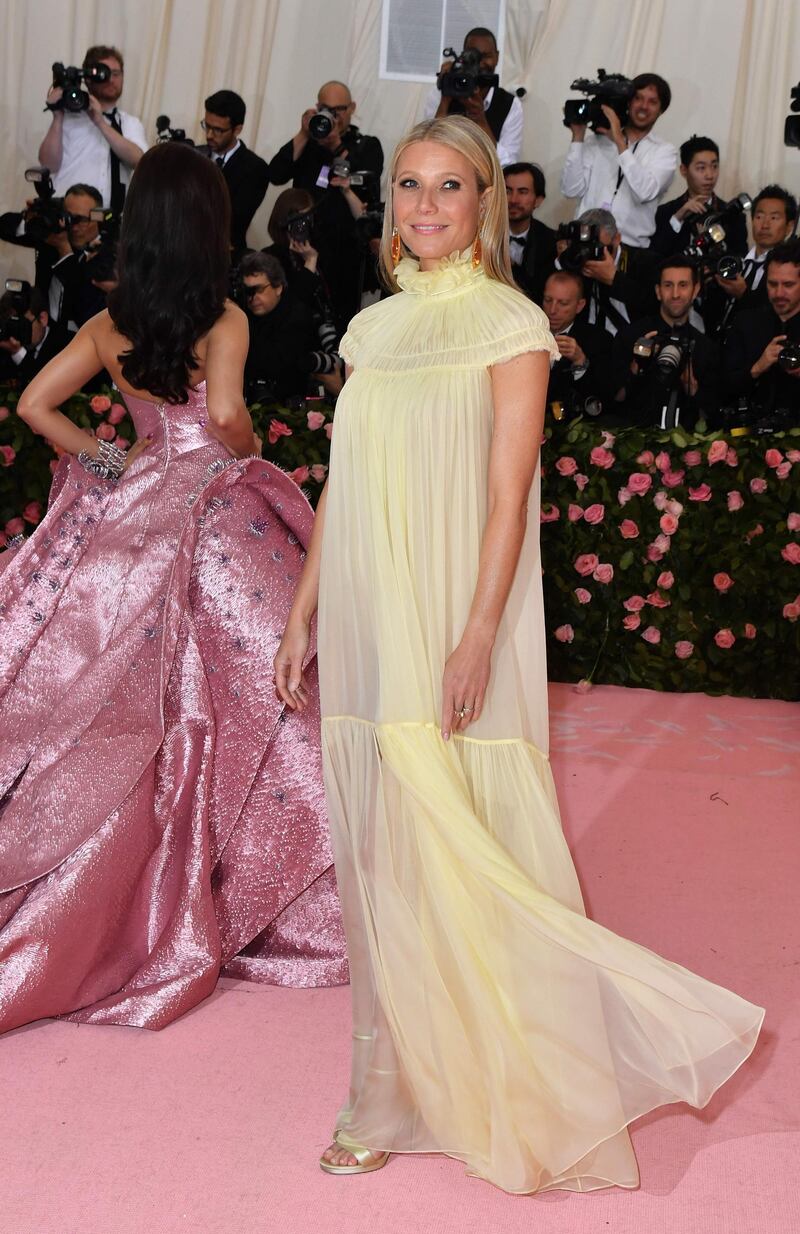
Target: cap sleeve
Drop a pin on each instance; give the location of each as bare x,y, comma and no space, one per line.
519,325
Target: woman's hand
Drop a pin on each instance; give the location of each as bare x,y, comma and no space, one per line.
464,683
290,684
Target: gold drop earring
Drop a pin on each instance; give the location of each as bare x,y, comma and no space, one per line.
477,246
397,247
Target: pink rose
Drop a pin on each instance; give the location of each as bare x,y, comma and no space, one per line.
315,420
750,630
7,455
672,478
731,457
329,430
318,472
566,466
665,580
277,429
4,413
722,581
565,634
783,470
623,496
586,563
660,500
724,639
758,530
656,600
632,621
608,439
651,635
300,474
654,553
793,456
793,521
735,501
582,595
702,493
549,513
574,513
663,542
663,461
692,458
640,482
668,524
791,553
791,611
773,457
117,413
100,404
581,481
683,649
717,452
123,443
628,529
674,508
603,573
601,457
645,459
634,604
758,485
583,686
105,432
595,514
14,527
32,512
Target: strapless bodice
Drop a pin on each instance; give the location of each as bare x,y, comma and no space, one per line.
182,425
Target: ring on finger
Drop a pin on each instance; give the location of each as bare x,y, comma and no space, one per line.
465,710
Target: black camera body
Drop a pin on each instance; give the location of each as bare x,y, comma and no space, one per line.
300,226
610,90
789,357
664,355
70,79
102,258
584,245
791,125
709,246
165,132
14,324
465,75
47,216
574,404
322,123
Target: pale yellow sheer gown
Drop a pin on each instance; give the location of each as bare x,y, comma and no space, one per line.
492,1020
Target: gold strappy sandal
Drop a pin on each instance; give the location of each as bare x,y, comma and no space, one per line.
361,1154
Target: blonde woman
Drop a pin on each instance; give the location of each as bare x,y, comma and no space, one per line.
492,1020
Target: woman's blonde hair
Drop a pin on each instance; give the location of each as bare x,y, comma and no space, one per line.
462,135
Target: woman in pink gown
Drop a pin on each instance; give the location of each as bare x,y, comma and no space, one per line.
158,819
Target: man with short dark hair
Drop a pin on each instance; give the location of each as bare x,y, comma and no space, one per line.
283,336
532,244
246,175
772,222
650,393
679,221
619,285
581,378
496,111
100,146
624,168
23,360
755,363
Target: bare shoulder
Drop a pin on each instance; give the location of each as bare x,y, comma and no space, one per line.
231,324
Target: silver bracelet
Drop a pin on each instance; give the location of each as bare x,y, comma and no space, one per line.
109,463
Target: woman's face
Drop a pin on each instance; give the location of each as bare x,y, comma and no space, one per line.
437,203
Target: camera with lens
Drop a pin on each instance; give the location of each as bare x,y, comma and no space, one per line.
584,244
322,123
260,390
610,90
789,356
791,125
164,132
102,255
664,355
70,78
13,322
574,405
464,75
300,226
46,216
709,246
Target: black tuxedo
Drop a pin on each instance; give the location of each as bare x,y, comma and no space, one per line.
538,259
247,178
570,387
643,396
633,286
20,374
749,335
665,241
46,255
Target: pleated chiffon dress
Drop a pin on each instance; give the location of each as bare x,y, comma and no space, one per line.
492,1021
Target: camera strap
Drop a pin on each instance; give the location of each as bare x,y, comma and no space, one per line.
117,198
620,172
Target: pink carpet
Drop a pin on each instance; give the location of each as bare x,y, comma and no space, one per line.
684,816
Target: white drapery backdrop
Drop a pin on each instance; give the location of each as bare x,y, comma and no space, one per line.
730,63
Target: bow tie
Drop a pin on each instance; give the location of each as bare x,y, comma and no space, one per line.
517,239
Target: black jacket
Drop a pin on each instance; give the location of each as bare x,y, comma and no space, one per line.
247,178
281,344
750,333
20,374
644,395
46,255
538,260
633,286
666,242
363,153
572,390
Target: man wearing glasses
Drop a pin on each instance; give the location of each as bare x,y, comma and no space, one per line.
246,175
100,146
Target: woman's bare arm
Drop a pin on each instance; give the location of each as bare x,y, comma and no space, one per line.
59,380
226,353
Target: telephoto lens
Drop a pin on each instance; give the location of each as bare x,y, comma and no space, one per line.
321,124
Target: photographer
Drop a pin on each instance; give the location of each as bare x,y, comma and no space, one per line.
246,175
100,145
673,379
624,168
24,313
678,222
773,222
532,244
581,378
493,109
283,338
618,278
761,359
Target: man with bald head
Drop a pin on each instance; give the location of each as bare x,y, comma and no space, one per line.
308,161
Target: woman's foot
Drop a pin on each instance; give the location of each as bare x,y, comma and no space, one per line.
343,1159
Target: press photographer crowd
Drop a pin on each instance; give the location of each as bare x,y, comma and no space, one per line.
665,312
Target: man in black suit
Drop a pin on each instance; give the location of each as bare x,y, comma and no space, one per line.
532,244
753,348
773,221
581,378
679,222
619,285
246,175
20,360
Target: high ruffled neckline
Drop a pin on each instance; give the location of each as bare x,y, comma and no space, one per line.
453,274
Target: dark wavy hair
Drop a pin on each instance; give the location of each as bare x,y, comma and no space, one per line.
173,260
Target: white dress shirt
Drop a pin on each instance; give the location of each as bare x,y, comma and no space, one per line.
516,245
509,143
592,174
86,155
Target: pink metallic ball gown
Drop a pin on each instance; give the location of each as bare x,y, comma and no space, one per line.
160,816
